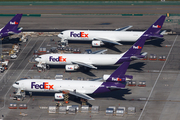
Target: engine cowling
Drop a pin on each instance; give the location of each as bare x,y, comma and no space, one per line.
71,67
59,96
97,43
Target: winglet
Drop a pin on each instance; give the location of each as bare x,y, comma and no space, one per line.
12,25
138,45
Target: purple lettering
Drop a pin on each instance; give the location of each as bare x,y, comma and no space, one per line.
72,34
32,84
41,86
50,58
53,59
37,86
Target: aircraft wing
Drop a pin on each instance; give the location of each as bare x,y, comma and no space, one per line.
84,64
99,51
124,28
89,51
81,95
108,41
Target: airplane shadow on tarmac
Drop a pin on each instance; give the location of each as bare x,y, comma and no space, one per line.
156,42
116,94
109,46
112,47
137,66
11,41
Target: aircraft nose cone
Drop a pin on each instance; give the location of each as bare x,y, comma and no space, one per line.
59,35
37,59
14,85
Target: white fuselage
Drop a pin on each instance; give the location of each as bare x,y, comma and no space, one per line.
68,59
44,85
89,35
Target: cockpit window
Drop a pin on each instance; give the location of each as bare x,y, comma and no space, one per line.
38,57
61,33
16,83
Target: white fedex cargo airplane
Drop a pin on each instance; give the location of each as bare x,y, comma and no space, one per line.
99,38
115,81
74,61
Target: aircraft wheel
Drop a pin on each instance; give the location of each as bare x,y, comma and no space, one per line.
47,67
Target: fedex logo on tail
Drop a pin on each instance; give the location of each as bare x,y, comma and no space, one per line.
137,47
116,79
156,26
14,23
59,59
81,34
45,85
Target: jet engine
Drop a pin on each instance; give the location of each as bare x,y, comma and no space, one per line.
97,43
59,96
71,67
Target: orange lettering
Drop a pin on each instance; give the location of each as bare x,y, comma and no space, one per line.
118,79
60,58
64,59
86,35
51,87
45,85
82,33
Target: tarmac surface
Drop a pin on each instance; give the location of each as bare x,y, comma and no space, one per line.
162,77
90,9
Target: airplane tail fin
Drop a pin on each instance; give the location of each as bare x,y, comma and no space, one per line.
117,80
136,49
12,25
156,27
119,74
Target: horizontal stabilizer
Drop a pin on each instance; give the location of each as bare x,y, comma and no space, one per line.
156,36
137,57
128,76
14,32
113,87
20,28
